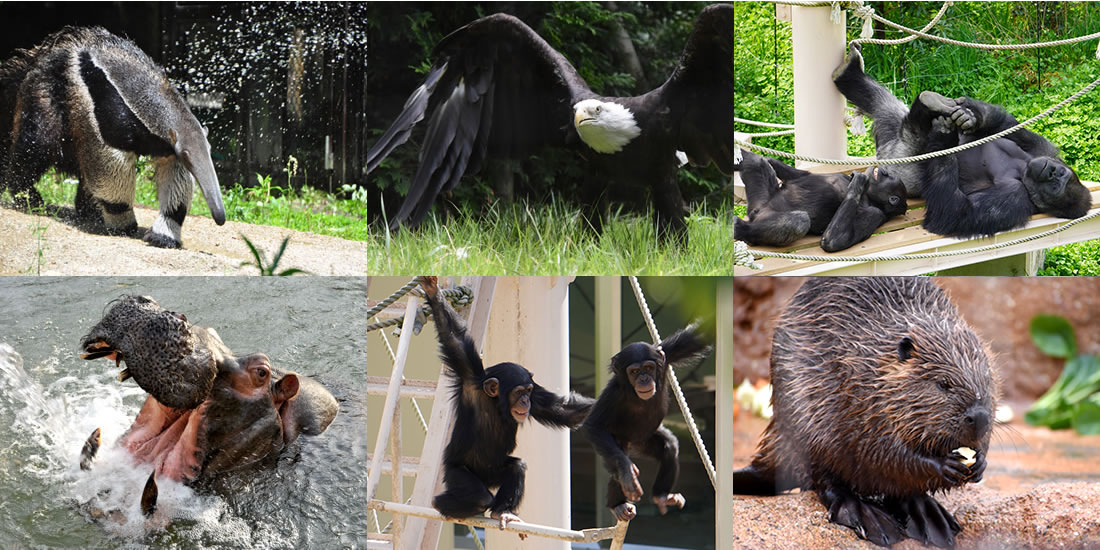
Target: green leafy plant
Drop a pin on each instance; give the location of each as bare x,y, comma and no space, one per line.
1074,399
259,260
39,230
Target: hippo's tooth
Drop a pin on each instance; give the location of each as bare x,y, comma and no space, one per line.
124,375
87,454
149,495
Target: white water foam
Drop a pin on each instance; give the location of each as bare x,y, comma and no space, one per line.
52,421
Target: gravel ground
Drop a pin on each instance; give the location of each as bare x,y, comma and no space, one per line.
1041,490
208,249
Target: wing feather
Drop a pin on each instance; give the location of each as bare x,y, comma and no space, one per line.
496,89
700,90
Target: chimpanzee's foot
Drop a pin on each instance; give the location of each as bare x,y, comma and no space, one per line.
624,511
671,499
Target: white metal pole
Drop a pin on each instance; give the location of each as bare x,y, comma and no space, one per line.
818,45
530,326
392,400
609,339
723,364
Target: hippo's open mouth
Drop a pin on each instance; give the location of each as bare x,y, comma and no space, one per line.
243,421
208,412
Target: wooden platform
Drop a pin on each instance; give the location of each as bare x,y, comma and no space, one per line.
904,235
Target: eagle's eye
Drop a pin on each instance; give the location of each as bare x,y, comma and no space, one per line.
598,109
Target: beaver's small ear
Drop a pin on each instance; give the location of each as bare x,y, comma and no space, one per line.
905,349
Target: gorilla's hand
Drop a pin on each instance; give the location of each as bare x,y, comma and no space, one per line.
965,119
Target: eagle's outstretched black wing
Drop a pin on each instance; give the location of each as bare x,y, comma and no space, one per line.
700,90
496,89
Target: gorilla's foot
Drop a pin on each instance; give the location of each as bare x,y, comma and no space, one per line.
854,56
938,104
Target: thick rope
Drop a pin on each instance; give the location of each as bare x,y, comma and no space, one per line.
674,383
864,12
771,134
764,124
980,46
459,296
926,156
393,298
925,256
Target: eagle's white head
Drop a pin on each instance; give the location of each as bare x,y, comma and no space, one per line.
604,126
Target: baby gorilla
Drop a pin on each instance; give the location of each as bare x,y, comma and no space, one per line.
628,415
844,209
490,404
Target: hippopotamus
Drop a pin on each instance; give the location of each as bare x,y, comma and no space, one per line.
208,412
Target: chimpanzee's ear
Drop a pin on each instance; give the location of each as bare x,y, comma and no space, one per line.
491,387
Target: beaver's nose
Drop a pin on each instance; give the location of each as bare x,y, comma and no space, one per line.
977,419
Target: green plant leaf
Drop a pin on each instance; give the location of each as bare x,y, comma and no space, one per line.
1086,416
1053,335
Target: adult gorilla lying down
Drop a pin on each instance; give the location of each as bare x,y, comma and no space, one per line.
843,208
980,191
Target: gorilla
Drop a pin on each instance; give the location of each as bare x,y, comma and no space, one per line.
981,191
844,209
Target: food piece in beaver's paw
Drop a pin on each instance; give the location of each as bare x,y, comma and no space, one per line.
969,456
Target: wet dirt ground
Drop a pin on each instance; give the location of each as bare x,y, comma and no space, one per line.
208,249
1041,490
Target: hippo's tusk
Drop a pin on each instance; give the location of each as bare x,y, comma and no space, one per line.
91,447
149,495
124,375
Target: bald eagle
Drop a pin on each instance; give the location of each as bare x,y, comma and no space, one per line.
498,90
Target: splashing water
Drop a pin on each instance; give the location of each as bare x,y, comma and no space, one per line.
259,46
51,422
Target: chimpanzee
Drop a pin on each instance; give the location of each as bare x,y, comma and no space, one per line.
980,191
490,404
627,419
844,209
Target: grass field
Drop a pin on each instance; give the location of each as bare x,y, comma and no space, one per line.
553,240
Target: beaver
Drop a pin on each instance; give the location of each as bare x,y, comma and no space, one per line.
877,383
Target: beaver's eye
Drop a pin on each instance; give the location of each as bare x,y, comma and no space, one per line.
944,384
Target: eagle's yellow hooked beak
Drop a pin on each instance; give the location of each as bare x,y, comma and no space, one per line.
580,116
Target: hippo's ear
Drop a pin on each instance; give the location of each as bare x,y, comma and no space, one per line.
286,388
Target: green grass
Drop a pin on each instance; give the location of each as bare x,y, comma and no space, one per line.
551,239
305,209
500,239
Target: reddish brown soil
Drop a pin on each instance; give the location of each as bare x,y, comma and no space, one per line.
1041,490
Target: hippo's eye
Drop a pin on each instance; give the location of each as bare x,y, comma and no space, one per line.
262,373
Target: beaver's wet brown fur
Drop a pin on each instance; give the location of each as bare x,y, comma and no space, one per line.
876,382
